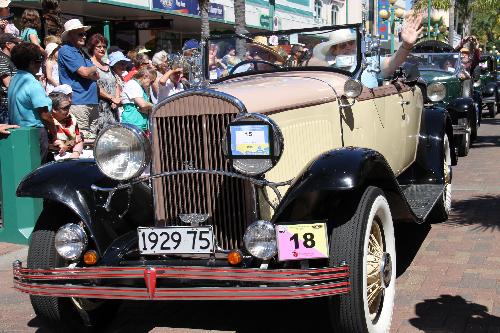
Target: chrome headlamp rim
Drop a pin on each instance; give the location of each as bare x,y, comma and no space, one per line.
435,97
256,224
353,93
278,143
81,234
143,141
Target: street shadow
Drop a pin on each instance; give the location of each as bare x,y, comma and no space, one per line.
481,211
487,141
409,239
453,314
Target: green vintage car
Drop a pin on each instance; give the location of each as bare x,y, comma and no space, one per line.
450,86
486,85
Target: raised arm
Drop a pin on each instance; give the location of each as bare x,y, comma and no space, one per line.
409,34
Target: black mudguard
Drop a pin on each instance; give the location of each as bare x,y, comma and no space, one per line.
69,182
489,89
331,185
461,108
428,166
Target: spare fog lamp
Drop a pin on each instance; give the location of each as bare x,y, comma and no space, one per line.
90,257
234,257
352,88
436,92
253,143
122,151
260,240
70,241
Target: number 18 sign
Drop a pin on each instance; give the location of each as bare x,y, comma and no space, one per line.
302,241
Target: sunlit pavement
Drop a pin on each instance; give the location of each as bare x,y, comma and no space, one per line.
449,273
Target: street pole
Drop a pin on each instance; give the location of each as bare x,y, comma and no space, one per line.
346,11
106,32
392,25
429,19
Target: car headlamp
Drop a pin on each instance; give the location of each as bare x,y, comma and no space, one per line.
253,143
122,151
352,88
260,240
70,241
436,91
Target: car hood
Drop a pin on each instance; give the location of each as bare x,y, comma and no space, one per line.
285,90
429,75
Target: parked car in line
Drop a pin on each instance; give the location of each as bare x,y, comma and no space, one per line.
486,84
274,182
452,86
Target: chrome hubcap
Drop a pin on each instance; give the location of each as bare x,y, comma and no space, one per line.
378,268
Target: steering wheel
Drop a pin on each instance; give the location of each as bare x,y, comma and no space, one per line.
252,65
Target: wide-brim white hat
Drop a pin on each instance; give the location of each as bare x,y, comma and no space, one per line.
4,3
50,48
321,50
73,24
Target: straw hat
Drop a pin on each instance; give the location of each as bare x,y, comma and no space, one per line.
4,3
73,24
321,50
260,42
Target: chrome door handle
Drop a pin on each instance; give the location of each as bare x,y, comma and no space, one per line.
404,102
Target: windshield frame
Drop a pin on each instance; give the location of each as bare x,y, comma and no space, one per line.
458,61
359,57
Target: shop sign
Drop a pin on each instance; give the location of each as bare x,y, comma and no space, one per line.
143,24
190,7
383,26
265,21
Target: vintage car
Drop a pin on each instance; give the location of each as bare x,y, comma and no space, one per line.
274,182
487,85
452,87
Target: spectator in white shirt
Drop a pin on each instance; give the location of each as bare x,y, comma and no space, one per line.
170,83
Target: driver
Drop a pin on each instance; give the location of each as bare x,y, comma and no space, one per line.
340,51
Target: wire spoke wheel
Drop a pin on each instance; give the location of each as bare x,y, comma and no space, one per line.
375,256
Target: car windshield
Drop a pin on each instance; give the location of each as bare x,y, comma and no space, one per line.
331,48
448,62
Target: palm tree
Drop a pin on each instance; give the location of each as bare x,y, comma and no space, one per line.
451,13
240,23
51,13
205,26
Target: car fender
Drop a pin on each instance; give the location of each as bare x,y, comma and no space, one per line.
462,107
489,89
428,165
69,182
333,183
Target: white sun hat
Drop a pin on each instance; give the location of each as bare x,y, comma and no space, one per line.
50,48
4,3
73,24
320,51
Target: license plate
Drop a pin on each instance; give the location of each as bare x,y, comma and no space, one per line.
176,240
302,241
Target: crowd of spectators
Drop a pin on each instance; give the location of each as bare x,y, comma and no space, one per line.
70,87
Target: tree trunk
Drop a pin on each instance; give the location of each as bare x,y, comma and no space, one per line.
451,32
240,24
205,26
51,13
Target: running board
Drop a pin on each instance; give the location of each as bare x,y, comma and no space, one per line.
422,198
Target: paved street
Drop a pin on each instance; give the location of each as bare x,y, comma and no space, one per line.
449,273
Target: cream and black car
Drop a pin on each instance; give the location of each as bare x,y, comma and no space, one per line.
282,178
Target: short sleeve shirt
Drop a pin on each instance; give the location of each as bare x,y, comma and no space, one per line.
169,89
70,59
131,90
25,95
68,131
7,68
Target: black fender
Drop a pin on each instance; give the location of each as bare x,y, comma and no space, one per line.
489,89
330,187
462,107
428,165
68,183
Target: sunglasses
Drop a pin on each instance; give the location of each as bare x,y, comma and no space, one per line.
345,44
82,34
65,108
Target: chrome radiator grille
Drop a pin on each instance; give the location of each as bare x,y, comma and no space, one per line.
193,141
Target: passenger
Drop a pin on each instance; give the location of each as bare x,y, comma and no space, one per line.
69,140
449,65
341,49
230,59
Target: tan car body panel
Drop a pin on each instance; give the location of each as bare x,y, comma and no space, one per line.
380,119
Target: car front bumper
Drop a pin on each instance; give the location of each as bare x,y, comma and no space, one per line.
460,129
182,283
